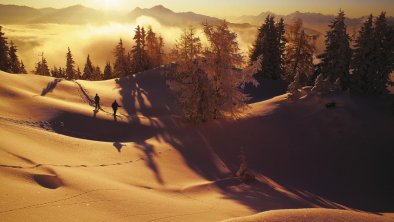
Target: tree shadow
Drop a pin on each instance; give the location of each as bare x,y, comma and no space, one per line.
340,171
50,86
150,153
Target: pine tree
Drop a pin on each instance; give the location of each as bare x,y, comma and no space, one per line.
4,55
70,70
54,72
335,60
139,58
322,86
121,61
363,64
270,44
97,74
299,55
23,68
78,73
384,43
14,64
107,71
42,67
88,69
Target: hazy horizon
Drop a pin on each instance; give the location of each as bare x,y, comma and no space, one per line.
227,8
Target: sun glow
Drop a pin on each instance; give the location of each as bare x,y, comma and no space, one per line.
110,4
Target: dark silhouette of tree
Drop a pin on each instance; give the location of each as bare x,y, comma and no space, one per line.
121,64
107,71
384,43
335,60
97,74
70,70
42,67
373,57
363,63
269,44
23,68
154,48
88,69
78,73
139,58
4,55
14,64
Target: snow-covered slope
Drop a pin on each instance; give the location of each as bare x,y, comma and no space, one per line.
61,161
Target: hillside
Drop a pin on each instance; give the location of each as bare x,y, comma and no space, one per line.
59,159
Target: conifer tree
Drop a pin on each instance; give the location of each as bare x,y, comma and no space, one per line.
78,73
23,68
299,55
121,61
384,43
107,71
4,55
335,60
70,70
97,74
42,67
139,58
14,64
270,44
88,69
363,64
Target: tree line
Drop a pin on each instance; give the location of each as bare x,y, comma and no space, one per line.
9,60
146,53
363,68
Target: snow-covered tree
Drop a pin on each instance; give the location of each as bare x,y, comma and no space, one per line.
208,82
187,79
335,60
224,62
299,55
294,87
70,69
4,55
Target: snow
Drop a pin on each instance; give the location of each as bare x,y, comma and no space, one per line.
59,161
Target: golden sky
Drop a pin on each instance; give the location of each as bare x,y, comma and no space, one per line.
221,8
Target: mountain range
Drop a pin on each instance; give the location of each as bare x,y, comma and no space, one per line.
78,14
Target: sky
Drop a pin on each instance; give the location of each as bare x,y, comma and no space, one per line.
224,8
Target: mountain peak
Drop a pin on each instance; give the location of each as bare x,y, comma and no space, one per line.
161,8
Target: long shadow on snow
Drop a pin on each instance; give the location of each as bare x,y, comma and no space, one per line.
342,154
146,93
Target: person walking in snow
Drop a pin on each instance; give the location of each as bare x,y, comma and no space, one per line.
97,102
115,107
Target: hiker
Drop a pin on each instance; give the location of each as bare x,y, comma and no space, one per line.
115,106
97,102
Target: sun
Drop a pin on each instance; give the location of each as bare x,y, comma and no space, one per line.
110,4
